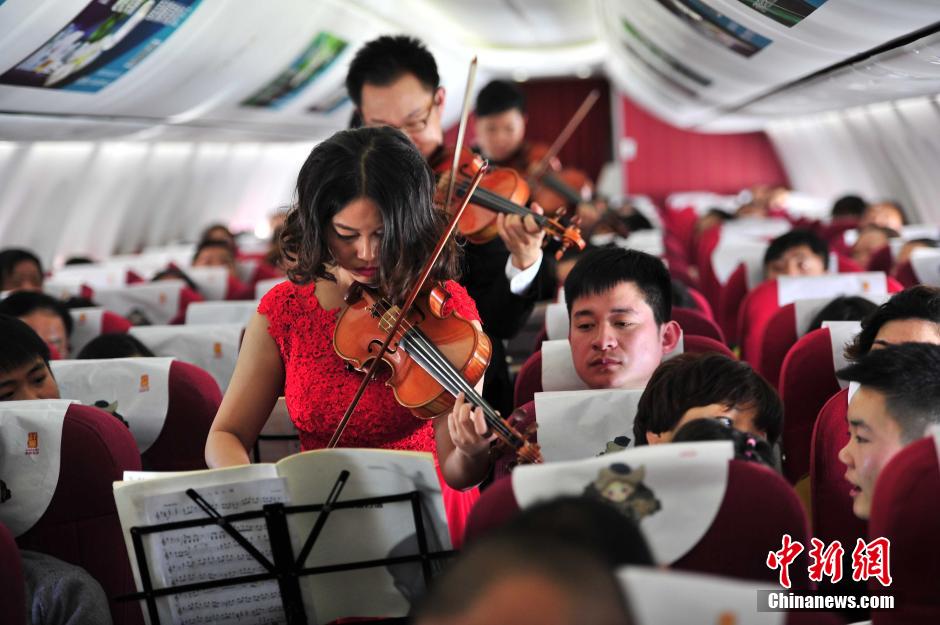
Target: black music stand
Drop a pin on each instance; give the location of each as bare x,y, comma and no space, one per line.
285,568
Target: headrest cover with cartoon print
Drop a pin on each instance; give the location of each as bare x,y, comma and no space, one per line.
673,491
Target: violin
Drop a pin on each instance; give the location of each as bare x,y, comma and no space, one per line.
433,356
557,190
502,190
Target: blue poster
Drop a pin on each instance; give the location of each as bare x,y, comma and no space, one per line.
101,44
303,71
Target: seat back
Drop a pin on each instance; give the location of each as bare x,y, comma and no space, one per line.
194,400
695,323
807,381
213,348
12,589
905,509
729,302
81,525
202,313
150,302
703,345
89,323
832,516
703,305
757,509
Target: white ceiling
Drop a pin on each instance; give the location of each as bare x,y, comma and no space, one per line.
190,87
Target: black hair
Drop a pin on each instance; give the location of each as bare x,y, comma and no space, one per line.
22,303
917,302
843,308
795,238
693,380
21,345
499,96
849,206
384,60
175,273
746,446
681,298
906,374
591,587
601,269
10,258
589,523
114,345
213,245
207,232
78,260
380,164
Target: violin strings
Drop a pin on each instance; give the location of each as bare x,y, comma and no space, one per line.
496,202
435,358
561,188
437,363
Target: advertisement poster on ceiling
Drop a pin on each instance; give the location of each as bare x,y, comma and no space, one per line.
303,71
101,44
716,26
787,12
674,63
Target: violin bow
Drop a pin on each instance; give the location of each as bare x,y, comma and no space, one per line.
564,135
429,265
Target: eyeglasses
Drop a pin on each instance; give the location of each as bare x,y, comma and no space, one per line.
414,126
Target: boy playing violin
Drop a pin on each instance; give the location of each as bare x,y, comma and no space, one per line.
394,81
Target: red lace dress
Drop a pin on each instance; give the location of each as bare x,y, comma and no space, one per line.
318,388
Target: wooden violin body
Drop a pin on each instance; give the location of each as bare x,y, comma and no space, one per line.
362,327
478,222
501,191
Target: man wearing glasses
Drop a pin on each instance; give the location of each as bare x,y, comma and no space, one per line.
393,81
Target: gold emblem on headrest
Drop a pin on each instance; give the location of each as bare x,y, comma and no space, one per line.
727,618
144,383
217,348
32,443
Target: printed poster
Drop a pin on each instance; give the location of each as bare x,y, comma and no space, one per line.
322,52
664,56
331,103
101,44
718,27
786,12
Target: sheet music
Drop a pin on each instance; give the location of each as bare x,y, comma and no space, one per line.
208,553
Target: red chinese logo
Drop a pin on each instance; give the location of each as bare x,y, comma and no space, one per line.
784,558
869,560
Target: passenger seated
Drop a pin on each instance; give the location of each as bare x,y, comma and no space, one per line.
219,233
619,309
20,270
904,254
46,315
871,238
746,446
843,308
848,207
911,316
887,214
589,523
24,363
526,580
115,345
796,253
215,254
706,386
56,592
898,398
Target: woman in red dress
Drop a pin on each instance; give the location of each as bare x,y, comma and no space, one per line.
364,214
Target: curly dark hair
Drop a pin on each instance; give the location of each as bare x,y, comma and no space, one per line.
380,164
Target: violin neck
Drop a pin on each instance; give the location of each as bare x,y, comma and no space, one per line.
559,186
496,202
